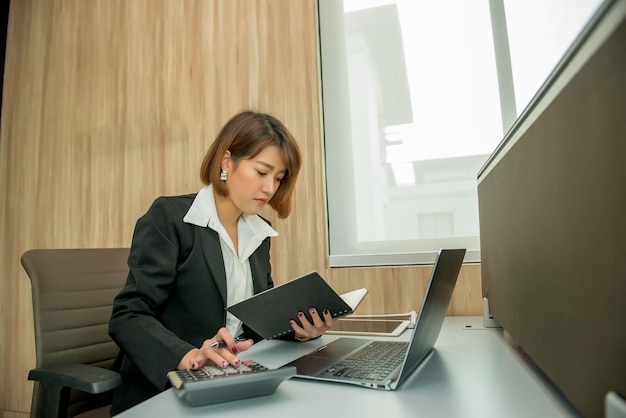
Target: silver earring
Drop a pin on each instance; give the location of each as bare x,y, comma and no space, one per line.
223,175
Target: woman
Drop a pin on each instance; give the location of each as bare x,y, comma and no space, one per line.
193,255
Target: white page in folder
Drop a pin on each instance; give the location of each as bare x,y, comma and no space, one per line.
354,298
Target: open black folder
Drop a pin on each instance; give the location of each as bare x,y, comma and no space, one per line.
268,313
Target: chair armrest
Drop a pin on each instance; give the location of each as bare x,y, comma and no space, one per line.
83,377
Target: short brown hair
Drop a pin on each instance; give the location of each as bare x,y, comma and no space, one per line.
245,135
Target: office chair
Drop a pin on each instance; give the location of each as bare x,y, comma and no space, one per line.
73,292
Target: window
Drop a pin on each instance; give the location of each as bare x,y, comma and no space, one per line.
416,96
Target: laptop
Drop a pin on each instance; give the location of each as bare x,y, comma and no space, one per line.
386,364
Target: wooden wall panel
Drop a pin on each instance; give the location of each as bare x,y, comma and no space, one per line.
110,103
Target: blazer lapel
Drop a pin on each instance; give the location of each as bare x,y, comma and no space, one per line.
259,268
212,251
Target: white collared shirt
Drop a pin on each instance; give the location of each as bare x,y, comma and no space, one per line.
251,230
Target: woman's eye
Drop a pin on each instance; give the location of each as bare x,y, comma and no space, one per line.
261,173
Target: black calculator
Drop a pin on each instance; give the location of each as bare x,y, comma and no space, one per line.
212,384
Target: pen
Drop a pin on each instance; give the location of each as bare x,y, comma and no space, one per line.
222,344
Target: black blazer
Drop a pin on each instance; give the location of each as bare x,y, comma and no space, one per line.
174,297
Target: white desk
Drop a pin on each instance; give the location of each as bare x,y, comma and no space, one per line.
472,373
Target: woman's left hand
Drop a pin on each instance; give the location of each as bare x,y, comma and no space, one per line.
312,330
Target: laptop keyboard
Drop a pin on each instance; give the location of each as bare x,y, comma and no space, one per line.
373,362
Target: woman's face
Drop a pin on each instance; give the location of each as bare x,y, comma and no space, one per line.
253,182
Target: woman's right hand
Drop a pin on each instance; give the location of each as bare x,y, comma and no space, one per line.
220,356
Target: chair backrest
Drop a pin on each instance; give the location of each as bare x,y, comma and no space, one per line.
73,292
